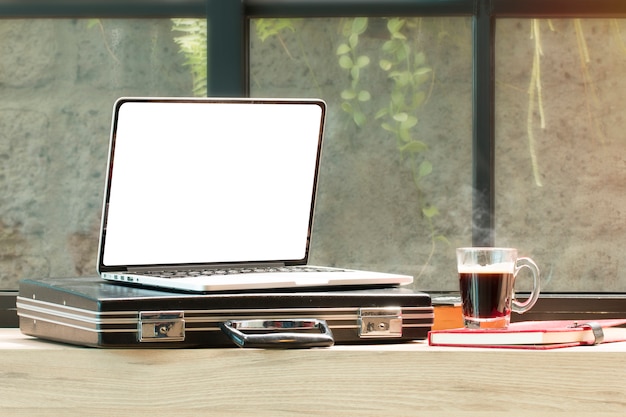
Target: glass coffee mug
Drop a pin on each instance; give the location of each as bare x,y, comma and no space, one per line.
487,280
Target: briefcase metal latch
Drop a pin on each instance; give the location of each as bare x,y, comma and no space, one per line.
380,322
161,326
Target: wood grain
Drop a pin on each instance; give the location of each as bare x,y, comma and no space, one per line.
41,378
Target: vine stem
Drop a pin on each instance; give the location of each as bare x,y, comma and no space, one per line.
538,55
431,226
106,43
535,85
432,250
590,91
616,31
306,61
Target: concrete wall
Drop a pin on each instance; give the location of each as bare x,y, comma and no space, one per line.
59,79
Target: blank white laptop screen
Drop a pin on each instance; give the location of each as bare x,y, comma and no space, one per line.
195,182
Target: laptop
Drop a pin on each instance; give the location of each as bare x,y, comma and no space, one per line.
212,194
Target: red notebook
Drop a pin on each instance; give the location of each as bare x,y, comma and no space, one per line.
534,334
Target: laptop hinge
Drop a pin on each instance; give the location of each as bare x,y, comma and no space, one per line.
202,266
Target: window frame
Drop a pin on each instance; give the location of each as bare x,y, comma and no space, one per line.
228,62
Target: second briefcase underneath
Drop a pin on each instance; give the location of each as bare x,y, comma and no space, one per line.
92,312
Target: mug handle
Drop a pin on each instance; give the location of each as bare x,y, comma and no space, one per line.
522,307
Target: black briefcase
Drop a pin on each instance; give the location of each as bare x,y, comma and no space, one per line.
93,312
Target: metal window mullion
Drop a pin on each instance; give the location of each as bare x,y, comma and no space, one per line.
353,8
227,49
483,140
559,8
101,9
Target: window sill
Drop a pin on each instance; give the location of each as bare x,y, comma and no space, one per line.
372,380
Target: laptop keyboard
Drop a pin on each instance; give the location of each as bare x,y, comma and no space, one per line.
234,271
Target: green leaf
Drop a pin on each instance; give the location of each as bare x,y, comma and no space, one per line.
92,22
414,146
271,27
397,99
408,123
399,35
353,40
419,98
348,94
402,78
404,134
359,25
388,127
400,117
345,62
395,25
389,47
443,239
362,61
364,95
381,113
426,167
421,75
430,211
354,72
405,79
386,65
343,49
347,107
402,51
420,59
359,118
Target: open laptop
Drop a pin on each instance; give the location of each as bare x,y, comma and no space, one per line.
210,194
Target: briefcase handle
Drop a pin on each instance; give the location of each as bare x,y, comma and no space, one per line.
279,334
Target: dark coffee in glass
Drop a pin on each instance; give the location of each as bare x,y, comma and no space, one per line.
486,295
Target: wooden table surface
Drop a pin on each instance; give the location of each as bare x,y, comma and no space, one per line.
44,378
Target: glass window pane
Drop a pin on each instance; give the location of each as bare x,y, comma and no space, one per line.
561,151
58,81
395,187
